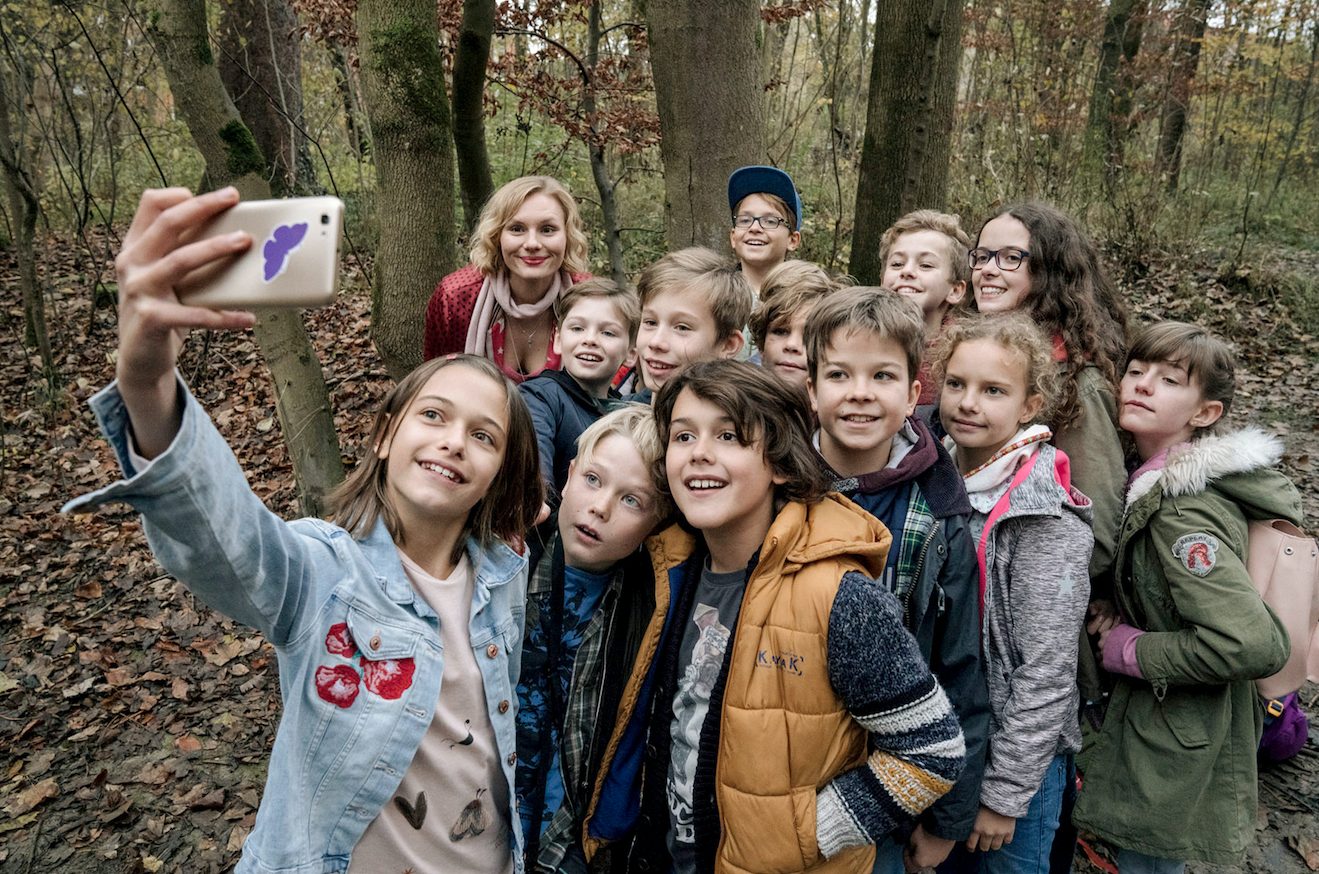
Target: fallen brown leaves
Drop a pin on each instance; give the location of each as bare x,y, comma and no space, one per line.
135,723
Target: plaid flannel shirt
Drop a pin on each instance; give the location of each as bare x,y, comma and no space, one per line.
580,713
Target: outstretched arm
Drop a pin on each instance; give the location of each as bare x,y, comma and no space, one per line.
158,252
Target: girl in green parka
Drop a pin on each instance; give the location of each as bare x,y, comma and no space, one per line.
1172,774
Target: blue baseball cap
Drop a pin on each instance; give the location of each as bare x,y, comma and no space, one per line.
758,179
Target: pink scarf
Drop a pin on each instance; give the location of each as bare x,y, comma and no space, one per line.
495,300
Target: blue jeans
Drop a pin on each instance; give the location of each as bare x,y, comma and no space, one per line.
888,856
1029,851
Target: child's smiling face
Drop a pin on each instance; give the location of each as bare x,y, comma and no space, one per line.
593,340
998,290
918,267
756,246
678,328
985,399
723,487
862,394
447,447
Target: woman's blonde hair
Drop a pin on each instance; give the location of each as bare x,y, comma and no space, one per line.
509,508
504,204
1019,334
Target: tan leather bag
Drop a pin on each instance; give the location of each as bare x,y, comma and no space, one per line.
1284,566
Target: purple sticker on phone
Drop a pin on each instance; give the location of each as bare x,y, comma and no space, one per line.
282,243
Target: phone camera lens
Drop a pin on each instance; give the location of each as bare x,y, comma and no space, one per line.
325,219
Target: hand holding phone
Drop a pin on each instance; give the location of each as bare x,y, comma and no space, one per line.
293,260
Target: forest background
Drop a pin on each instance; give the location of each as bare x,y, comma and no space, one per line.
136,722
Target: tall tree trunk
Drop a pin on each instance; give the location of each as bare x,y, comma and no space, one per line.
596,148
913,92
343,76
1110,102
1302,102
711,115
1191,22
24,208
302,402
261,66
406,101
469,66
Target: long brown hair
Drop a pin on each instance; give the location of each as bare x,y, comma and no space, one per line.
1072,297
506,512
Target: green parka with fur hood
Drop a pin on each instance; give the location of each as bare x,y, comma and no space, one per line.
1172,773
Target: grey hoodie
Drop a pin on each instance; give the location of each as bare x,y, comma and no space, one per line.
1036,590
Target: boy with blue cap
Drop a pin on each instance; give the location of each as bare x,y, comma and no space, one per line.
766,220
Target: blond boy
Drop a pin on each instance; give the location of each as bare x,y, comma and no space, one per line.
694,305
924,257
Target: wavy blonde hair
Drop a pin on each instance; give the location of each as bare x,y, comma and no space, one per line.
504,204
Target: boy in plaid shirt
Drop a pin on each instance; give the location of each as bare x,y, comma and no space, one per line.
588,601
863,351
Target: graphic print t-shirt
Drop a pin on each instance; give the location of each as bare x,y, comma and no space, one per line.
705,639
451,810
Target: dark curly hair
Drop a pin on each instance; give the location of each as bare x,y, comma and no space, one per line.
1071,297
763,408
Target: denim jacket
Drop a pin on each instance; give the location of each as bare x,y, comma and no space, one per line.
330,604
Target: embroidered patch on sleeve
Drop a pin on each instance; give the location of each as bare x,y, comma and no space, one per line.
1197,552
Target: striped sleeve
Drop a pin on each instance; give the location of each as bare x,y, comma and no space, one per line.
916,744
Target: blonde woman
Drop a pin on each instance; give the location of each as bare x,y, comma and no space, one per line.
528,247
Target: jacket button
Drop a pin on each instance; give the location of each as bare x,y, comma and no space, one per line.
651,751
512,758
375,642
503,706
492,650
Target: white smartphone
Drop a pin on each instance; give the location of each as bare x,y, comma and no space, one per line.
293,260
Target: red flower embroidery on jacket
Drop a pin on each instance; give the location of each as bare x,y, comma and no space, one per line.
388,678
339,641
337,684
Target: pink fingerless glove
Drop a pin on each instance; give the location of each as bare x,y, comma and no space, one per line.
1120,651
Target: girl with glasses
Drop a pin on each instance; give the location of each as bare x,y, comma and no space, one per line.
1034,258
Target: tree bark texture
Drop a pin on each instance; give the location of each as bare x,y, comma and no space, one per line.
909,118
1191,22
705,61
595,147
469,67
1110,102
412,143
177,29
24,209
260,63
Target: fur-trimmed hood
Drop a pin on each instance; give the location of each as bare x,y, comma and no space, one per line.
1220,459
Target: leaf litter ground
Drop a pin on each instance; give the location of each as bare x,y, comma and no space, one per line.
136,722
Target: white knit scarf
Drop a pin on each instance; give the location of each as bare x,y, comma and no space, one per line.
985,484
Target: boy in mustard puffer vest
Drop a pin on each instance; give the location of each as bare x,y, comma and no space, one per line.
778,717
